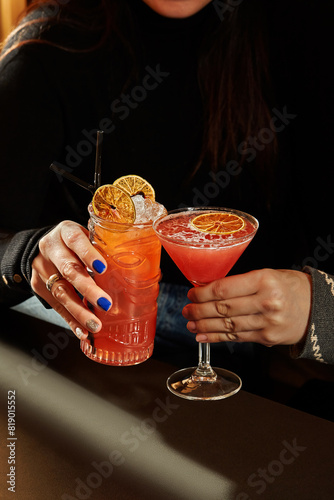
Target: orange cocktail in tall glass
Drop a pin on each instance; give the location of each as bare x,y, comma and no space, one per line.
132,251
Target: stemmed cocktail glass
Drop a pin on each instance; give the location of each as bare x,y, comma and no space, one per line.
204,255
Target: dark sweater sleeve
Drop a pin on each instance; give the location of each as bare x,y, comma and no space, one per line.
16,255
31,136
319,343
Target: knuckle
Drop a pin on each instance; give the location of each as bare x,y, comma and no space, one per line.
66,224
71,233
59,309
44,243
218,289
198,327
272,305
228,324
72,237
268,338
87,288
85,252
70,271
222,308
269,278
59,292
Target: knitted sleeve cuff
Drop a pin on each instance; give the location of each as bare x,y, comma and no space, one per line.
15,265
319,342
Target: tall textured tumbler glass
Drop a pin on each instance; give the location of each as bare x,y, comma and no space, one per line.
132,252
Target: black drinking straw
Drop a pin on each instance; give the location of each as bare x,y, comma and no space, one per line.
97,175
61,171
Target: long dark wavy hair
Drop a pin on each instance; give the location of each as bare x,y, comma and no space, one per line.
232,68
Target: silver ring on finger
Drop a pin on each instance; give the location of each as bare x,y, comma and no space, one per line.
52,280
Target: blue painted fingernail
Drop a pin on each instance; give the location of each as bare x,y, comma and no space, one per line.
98,266
104,303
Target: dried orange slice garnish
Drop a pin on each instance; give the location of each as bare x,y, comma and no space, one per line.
218,223
113,204
133,185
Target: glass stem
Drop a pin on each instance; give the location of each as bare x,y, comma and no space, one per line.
204,368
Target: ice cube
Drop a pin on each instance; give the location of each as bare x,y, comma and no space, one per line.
157,211
138,201
146,209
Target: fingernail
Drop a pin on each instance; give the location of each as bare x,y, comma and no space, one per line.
98,266
185,311
92,326
79,333
191,325
201,338
104,303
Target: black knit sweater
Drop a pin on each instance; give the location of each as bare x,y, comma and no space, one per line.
52,102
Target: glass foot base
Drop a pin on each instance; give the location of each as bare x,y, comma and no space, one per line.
185,384
112,353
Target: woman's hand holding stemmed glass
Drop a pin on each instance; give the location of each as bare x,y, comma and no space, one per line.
266,306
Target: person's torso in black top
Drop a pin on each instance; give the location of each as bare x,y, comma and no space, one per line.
154,129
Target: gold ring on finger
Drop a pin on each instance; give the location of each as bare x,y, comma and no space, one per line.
52,280
232,337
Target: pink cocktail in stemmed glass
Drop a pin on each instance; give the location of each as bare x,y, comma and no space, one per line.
203,257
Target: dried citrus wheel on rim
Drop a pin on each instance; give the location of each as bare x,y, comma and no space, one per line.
218,223
113,204
133,185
